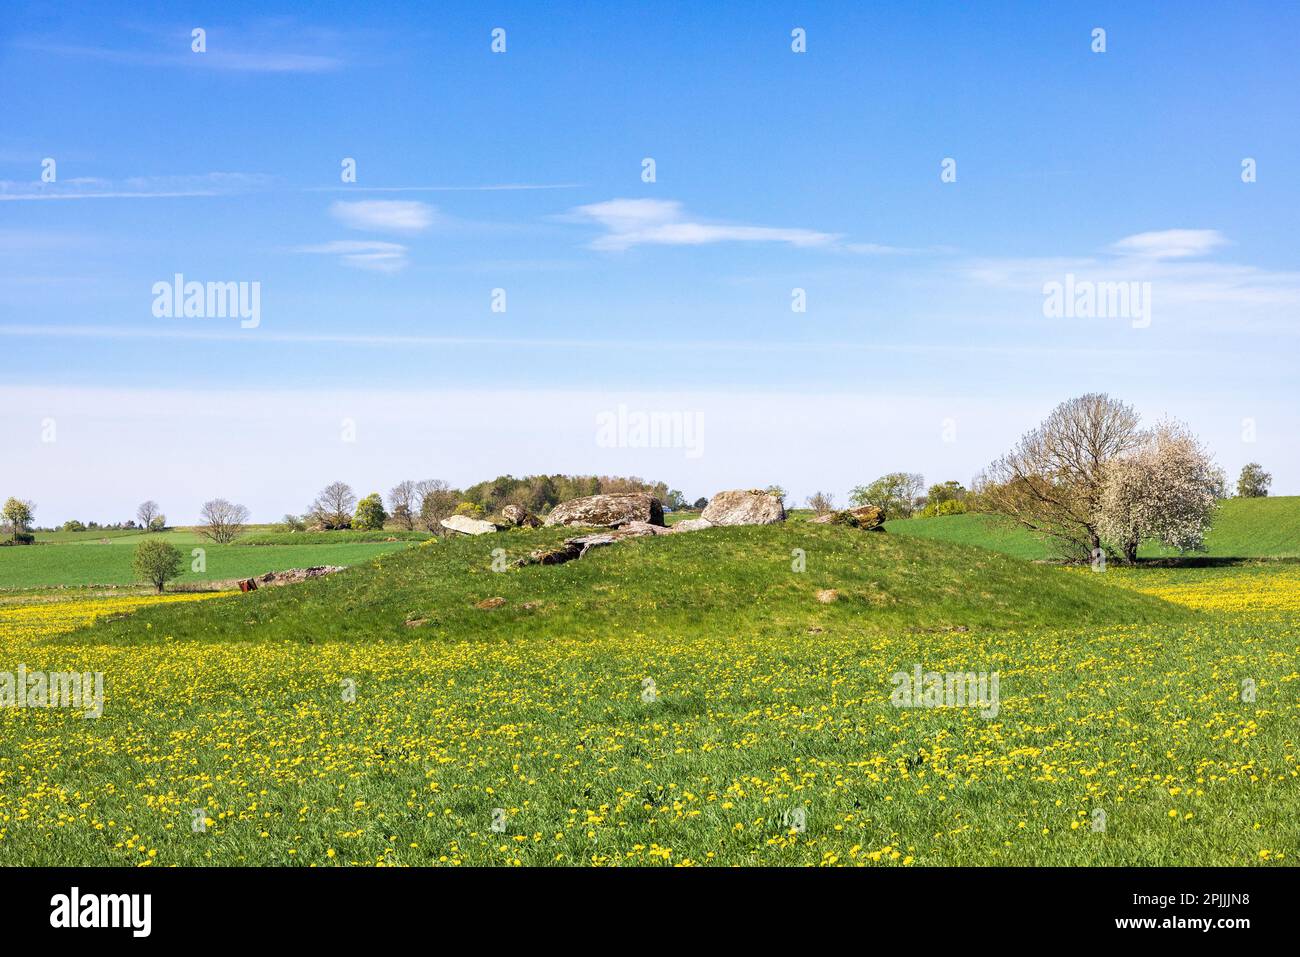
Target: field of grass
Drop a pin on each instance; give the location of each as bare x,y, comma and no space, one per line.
1243,528
32,566
669,700
103,556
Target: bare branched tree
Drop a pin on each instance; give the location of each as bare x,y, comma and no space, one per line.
147,512
821,502
334,505
402,504
1052,481
437,502
223,521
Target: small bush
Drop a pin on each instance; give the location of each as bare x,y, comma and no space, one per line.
156,562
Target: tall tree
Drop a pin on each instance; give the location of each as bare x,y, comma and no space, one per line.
223,521
402,504
333,506
437,502
1253,482
146,513
1165,490
18,515
1052,481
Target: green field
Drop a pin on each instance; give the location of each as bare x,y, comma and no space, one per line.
83,560
671,700
1243,528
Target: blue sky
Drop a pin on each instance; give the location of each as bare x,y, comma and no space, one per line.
924,345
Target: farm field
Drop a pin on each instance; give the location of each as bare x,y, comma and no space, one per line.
380,716
35,566
1243,528
103,556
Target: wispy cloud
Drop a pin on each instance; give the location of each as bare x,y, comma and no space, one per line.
1170,243
385,215
135,187
1213,296
216,58
487,188
635,222
372,255
613,346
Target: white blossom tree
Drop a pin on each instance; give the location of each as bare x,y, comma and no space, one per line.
1164,490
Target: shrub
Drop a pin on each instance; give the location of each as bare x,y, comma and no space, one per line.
292,523
370,515
951,506
821,502
156,561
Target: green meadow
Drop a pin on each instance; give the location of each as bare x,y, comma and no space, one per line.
725,696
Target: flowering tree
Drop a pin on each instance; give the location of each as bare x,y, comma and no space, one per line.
1051,482
1164,490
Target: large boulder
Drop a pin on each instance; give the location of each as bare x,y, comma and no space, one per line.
468,526
516,516
572,548
866,517
608,511
690,525
744,508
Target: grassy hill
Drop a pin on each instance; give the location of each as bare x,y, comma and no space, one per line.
732,580
1244,528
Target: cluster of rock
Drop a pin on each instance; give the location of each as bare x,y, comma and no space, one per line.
634,514
512,516
869,518
290,577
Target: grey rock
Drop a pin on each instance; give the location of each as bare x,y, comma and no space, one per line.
739,507
608,511
691,525
468,526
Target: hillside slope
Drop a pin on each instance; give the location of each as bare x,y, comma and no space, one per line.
721,581
1244,528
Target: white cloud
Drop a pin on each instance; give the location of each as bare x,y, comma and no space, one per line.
1188,293
373,255
1170,243
634,222
217,58
135,187
384,215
